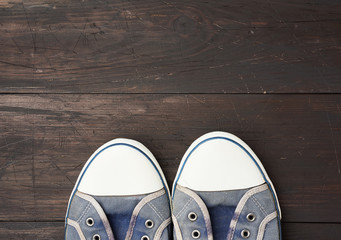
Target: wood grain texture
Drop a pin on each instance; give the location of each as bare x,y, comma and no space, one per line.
46,139
32,230
169,67
55,231
316,231
237,46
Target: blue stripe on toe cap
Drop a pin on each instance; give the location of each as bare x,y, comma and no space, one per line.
254,160
112,145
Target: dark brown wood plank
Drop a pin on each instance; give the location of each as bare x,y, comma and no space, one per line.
316,231
46,139
32,230
55,230
237,46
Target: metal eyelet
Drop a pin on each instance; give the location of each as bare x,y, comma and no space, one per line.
149,223
251,217
245,233
145,237
96,237
196,234
90,222
192,216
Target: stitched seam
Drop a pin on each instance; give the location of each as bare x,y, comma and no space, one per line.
240,207
207,220
137,210
84,212
177,229
264,223
99,211
189,201
202,207
156,211
76,226
161,228
259,205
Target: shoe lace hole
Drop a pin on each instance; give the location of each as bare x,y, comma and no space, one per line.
149,223
192,216
90,222
96,237
145,237
196,234
251,217
245,233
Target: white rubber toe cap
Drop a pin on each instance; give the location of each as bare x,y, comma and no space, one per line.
219,161
121,167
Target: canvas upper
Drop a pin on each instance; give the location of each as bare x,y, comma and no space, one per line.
120,194
222,192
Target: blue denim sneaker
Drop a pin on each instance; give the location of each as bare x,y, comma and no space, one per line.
222,192
120,194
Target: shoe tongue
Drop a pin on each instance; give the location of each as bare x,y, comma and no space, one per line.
119,210
221,207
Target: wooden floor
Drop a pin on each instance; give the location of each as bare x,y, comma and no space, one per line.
75,74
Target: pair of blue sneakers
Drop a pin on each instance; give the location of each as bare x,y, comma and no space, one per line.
221,192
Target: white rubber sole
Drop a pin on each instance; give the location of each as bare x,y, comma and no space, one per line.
131,142
234,138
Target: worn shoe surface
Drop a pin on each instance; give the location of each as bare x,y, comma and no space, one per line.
222,192
120,194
